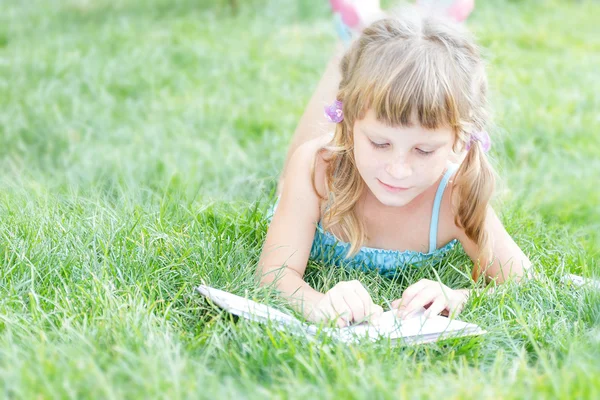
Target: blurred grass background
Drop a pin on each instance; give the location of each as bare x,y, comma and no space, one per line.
140,143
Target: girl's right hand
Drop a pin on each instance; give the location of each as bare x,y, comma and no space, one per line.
345,303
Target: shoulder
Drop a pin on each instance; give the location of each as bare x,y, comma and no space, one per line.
311,154
448,211
291,232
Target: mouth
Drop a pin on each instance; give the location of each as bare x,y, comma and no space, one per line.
391,188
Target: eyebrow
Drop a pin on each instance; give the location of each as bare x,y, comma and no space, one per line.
433,143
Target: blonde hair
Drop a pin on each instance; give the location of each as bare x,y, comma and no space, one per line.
406,68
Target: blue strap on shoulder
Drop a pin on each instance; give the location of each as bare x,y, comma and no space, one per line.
433,229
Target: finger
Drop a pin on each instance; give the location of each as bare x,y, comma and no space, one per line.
376,314
397,303
411,291
436,307
377,310
365,299
355,304
341,323
326,313
372,310
327,309
341,319
417,302
405,305
330,315
340,307
455,310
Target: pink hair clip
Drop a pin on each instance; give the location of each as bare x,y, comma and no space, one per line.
334,112
483,138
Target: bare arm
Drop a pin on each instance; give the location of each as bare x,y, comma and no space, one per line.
508,259
290,235
289,240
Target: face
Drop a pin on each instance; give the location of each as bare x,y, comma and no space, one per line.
398,164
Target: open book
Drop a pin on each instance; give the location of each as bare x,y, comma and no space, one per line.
415,330
580,281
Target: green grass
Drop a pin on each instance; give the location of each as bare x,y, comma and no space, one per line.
140,143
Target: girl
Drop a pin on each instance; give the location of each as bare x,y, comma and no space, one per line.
402,179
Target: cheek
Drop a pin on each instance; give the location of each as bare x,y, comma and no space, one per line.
375,162
431,168
364,158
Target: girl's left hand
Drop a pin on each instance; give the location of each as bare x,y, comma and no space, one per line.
434,296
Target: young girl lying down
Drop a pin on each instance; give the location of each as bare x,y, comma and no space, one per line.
401,179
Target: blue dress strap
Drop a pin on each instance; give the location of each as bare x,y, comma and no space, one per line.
435,215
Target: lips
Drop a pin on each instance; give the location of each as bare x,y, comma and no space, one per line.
392,188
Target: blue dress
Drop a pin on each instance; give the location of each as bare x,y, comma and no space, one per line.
326,248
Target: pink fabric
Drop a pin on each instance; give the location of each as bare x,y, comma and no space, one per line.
336,5
347,11
458,10
461,9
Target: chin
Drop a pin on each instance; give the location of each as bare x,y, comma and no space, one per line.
395,200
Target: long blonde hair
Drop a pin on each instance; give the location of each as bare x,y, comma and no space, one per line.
406,68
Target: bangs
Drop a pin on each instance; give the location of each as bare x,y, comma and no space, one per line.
418,88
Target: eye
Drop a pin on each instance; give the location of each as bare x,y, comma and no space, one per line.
425,153
378,145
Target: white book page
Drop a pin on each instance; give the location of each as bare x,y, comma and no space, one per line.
246,308
387,326
581,281
391,325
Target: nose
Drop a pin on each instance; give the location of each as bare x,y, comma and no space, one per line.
399,168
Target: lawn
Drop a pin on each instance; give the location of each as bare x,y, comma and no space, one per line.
140,145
